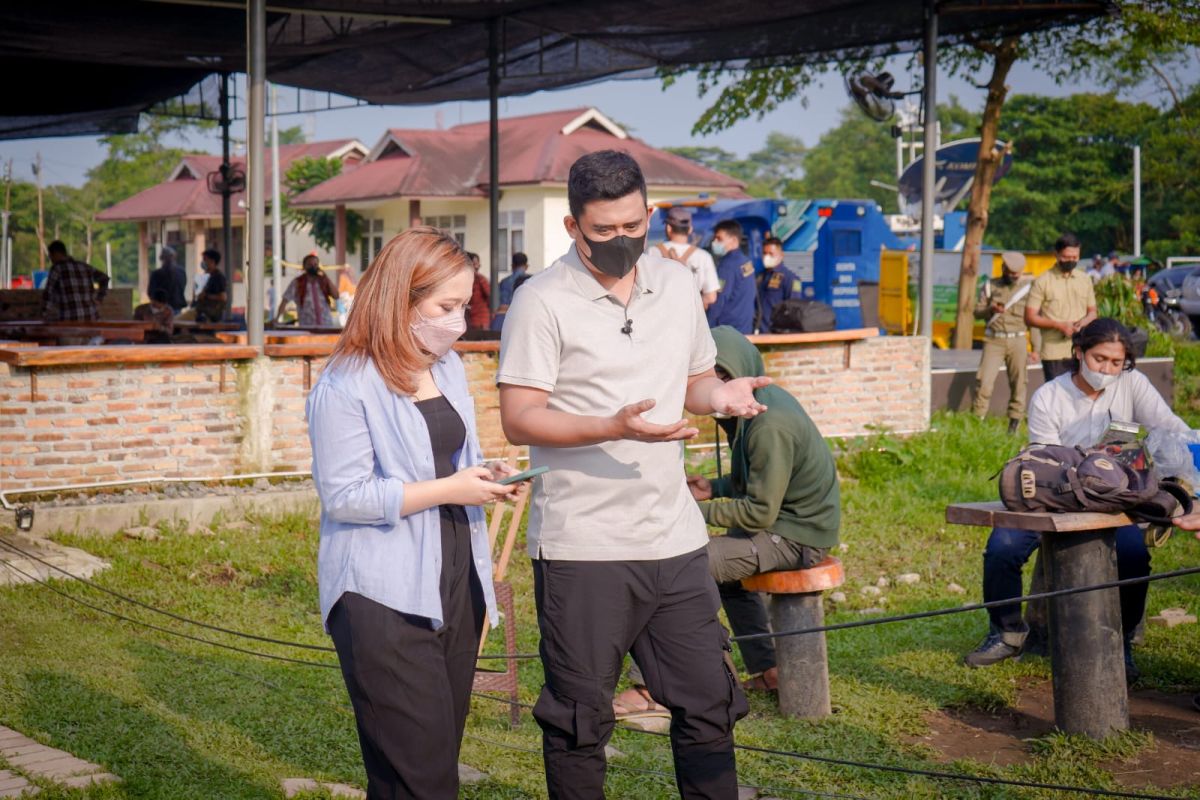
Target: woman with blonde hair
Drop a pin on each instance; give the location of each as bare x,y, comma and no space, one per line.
404,568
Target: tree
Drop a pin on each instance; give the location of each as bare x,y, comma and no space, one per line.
1132,42
766,172
303,174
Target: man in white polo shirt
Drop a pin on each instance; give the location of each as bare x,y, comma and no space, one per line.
679,247
599,357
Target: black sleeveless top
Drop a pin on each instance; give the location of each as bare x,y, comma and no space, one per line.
447,434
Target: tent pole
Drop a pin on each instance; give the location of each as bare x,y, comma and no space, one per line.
256,68
494,155
929,170
226,203
276,210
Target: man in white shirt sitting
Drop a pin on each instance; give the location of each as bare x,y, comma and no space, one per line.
679,247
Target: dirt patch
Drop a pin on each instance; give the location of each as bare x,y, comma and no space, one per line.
1000,738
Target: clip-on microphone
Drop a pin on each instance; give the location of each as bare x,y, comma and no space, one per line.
628,327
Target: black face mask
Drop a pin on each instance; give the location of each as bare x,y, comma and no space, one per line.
1067,266
312,270
616,256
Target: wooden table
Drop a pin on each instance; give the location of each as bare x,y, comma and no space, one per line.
281,337
108,330
1086,640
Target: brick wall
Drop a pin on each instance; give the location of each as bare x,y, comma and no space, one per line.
90,423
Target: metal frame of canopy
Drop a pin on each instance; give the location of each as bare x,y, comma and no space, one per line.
320,42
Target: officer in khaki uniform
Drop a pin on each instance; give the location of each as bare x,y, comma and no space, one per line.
1002,304
1061,303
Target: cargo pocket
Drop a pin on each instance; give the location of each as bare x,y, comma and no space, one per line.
573,718
737,705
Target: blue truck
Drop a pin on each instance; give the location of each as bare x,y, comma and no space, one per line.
833,246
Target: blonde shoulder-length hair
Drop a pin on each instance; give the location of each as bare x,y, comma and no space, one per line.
405,272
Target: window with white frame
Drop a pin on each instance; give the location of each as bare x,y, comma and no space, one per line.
372,242
512,236
453,224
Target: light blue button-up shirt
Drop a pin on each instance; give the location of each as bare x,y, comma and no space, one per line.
367,443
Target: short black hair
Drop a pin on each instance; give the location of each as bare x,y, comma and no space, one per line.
1068,239
1101,331
729,226
56,247
211,255
158,295
520,260
603,175
773,240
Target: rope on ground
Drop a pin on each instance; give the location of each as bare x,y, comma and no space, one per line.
929,773
160,629
198,623
862,623
747,748
882,767
669,776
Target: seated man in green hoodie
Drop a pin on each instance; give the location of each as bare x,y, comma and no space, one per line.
780,505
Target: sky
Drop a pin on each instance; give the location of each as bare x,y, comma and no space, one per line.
660,117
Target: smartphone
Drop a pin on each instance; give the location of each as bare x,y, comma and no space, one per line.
523,476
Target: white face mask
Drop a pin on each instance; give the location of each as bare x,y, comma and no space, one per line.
718,248
1097,380
771,262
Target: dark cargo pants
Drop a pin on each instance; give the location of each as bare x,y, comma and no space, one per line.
591,613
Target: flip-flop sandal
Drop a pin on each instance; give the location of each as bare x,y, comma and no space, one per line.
626,709
760,683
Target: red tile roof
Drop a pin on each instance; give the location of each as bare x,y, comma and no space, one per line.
185,195
533,150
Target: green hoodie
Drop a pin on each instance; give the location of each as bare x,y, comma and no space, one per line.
783,478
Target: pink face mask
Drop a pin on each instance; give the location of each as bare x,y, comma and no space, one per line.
439,334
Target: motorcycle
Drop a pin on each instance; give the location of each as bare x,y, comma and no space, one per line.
1162,309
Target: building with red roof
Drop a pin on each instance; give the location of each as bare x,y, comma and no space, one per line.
440,178
181,211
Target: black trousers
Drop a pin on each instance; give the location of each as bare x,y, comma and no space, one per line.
1052,368
591,613
409,684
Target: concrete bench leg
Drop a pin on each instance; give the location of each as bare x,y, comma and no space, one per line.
1086,648
802,661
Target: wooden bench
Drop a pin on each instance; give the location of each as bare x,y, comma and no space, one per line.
802,659
1086,645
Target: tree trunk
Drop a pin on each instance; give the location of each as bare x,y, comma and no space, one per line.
1003,56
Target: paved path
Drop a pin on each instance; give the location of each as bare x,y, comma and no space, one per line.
39,761
75,561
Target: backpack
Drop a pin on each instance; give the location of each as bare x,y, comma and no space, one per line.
1107,480
802,316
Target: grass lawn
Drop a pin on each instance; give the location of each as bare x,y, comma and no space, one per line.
178,719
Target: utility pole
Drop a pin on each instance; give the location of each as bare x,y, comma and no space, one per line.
1137,201
276,211
41,226
5,261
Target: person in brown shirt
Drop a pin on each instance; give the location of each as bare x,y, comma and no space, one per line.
1002,304
479,312
1061,303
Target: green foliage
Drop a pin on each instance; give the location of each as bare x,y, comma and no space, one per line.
1116,298
767,172
303,174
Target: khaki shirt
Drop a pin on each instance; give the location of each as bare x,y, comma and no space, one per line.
999,290
1063,297
613,501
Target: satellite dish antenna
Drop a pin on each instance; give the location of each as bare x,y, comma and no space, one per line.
874,94
231,180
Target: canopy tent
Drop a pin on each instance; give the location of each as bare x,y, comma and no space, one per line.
86,66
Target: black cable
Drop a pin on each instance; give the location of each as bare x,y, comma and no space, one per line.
927,773
167,631
882,767
669,776
165,613
218,628
746,748
862,623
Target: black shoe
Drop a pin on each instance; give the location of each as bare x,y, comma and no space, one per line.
1014,426
995,648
